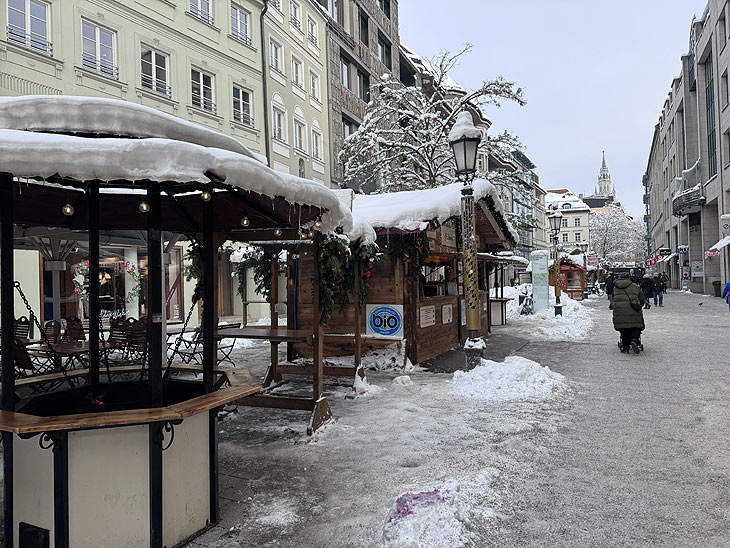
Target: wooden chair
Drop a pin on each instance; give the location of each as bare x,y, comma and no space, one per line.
52,331
74,331
137,339
21,328
23,364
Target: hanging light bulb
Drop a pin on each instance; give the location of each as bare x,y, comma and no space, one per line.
245,221
277,232
311,234
318,223
144,207
206,196
67,210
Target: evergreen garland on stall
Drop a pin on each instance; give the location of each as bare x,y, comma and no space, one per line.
368,255
193,268
336,276
258,260
409,248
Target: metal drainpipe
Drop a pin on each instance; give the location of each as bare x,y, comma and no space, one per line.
265,84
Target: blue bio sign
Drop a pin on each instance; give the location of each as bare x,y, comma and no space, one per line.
385,320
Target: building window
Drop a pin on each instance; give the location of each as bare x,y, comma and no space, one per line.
363,86
316,144
722,30
202,86
242,106
577,221
201,10
345,72
239,24
295,14
314,88
98,49
275,59
364,29
384,52
724,90
299,132
565,237
28,25
154,70
334,7
710,111
384,5
566,206
348,127
279,125
577,236
564,223
312,31
297,70
276,4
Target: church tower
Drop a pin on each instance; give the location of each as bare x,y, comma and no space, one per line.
605,187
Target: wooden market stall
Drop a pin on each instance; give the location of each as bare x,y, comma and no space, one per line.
131,462
572,277
415,281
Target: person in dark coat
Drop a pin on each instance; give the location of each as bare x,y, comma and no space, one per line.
658,287
609,289
726,293
626,319
647,288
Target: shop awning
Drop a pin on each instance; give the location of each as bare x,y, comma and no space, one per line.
722,243
669,258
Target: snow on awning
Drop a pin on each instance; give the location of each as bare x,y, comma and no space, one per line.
721,244
412,210
42,155
669,258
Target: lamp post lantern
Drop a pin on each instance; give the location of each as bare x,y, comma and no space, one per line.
556,219
464,139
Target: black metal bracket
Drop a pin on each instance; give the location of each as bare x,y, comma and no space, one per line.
55,441
158,433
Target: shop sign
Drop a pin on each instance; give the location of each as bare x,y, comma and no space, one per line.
713,253
664,251
385,320
683,249
592,261
447,313
540,281
525,277
427,315
448,236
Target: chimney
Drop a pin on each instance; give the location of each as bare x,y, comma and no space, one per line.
580,196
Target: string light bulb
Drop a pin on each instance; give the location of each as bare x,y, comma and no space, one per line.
206,196
277,232
318,223
245,221
311,234
67,210
144,207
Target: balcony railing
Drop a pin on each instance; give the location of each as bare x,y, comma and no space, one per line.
294,21
276,4
203,103
313,39
36,42
158,86
203,15
689,201
243,118
241,37
102,66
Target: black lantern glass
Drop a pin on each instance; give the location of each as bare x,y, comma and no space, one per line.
465,154
556,218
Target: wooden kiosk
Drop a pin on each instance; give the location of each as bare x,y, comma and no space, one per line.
572,277
133,462
418,271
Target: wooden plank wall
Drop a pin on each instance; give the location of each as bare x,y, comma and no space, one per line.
441,337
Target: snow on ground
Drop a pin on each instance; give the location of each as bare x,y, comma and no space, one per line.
515,378
573,325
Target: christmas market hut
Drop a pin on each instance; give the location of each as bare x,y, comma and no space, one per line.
409,290
124,456
572,275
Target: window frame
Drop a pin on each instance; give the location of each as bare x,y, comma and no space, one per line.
244,37
26,32
312,31
154,84
295,14
275,46
211,102
313,76
282,137
317,145
98,67
245,118
385,52
298,82
195,9
300,124
364,24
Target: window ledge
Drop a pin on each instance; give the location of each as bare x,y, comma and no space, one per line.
207,113
237,40
280,141
301,152
157,96
101,77
36,54
209,24
245,127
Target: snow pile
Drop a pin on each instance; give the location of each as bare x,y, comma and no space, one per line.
442,517
404,381
516,378
363,389
464,128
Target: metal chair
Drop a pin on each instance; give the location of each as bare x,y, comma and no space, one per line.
52,330
21,327
74,331
137,340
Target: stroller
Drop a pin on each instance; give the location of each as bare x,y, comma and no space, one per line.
639,345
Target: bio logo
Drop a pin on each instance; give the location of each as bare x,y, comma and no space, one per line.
385,320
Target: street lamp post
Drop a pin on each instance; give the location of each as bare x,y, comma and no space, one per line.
464,139
556,219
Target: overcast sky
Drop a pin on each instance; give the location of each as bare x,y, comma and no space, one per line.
595,76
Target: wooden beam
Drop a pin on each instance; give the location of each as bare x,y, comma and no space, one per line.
92,198
274,314
318,340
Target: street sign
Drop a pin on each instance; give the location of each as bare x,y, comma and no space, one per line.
683,249
385,320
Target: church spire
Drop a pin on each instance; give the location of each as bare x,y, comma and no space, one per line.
605,187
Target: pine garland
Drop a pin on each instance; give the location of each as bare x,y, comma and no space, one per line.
258,261
409,248
335,274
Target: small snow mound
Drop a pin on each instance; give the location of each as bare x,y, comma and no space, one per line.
402,381
516,378
363,389
442,517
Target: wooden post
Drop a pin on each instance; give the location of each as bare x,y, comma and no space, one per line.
410,311
487,275
358,327
92,201
209,295
273,374
7,323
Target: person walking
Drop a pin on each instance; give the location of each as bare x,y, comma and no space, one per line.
647,288
658,288
726,293
610,280
628,316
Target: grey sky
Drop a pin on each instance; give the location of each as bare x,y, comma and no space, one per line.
595,76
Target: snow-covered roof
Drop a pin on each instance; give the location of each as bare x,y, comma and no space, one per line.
447,83
33,154
563,198
109,117
362,230
411,211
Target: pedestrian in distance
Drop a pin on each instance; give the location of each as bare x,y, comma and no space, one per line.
647,288
610,280
726,293
628,316
665,277
658,288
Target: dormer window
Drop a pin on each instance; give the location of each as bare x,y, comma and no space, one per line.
566,206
